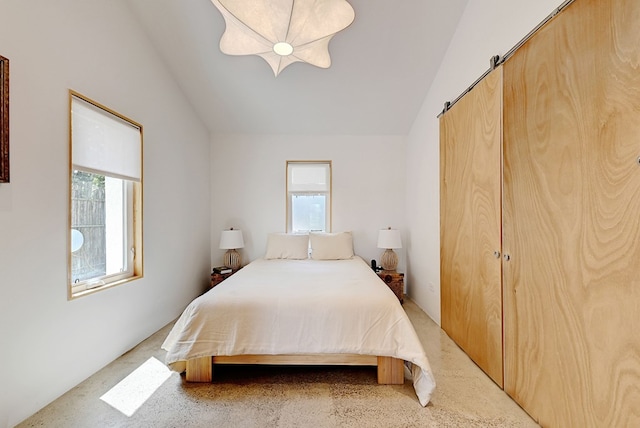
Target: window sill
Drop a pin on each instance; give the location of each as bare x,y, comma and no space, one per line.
83,293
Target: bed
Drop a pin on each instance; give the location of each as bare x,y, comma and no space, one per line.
296,310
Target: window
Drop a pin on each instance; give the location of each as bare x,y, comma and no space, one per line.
308,196
105,197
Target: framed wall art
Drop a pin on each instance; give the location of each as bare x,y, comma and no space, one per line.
4,120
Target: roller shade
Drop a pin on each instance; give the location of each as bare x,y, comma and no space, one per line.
309,177
103,143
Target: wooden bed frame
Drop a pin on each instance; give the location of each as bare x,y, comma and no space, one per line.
390,369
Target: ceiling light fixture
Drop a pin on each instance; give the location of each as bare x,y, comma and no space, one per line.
283,31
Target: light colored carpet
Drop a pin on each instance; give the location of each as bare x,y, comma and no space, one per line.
291,396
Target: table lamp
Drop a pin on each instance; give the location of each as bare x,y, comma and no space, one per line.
389,239
231,240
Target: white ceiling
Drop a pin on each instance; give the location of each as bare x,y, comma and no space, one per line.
382,67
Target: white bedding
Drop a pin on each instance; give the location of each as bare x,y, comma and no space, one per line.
300,307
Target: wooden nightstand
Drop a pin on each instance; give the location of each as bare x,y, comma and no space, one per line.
395,281
217,278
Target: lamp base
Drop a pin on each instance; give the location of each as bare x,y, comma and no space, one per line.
232,259
389,260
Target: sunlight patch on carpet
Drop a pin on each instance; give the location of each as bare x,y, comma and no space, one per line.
132,391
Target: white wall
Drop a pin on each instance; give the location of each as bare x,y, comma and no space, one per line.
487,28
248,187
47,343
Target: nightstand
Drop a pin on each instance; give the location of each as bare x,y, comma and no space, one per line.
395,281
217,278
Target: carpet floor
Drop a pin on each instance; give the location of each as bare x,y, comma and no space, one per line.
265,396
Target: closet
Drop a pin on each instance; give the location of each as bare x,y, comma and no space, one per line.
569,220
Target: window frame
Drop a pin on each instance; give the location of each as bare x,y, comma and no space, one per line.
132,214
289,194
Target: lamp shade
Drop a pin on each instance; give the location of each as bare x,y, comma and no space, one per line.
231,239
389,238
283,31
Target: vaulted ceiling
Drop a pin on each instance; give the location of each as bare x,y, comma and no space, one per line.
382,67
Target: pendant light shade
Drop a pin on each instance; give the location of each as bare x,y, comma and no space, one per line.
283,31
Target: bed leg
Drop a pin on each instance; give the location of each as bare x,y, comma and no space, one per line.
200,370
390,371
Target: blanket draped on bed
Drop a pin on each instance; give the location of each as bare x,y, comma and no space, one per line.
300,307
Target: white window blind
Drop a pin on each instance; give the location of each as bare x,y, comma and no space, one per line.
309,177
103,143
308,196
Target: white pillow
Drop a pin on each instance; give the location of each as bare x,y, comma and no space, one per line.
287,246
331,246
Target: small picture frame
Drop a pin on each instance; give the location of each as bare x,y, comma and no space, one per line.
4,120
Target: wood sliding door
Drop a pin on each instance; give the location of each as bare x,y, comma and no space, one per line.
572,218
470,207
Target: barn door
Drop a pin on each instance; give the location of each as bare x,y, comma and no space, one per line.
470,207
572,218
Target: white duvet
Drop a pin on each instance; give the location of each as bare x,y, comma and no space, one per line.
300,307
